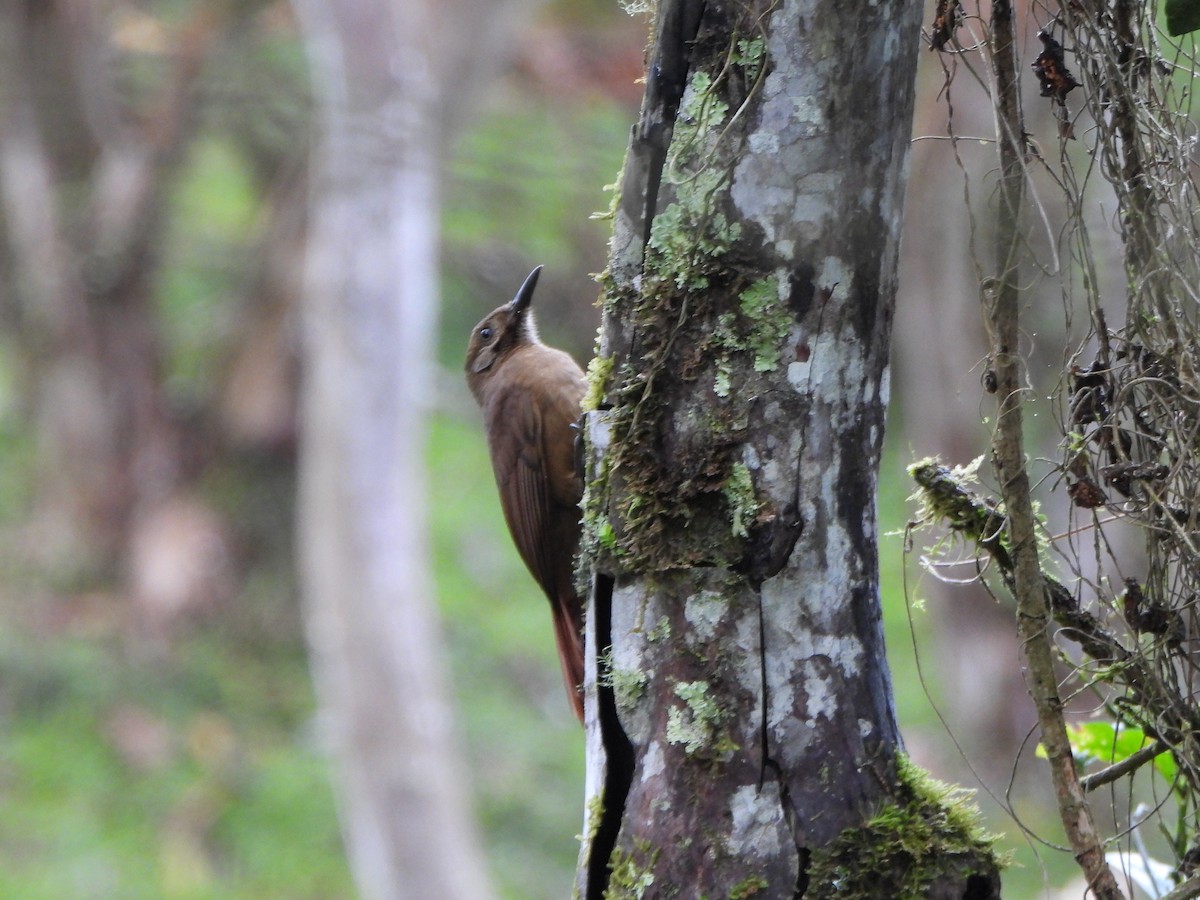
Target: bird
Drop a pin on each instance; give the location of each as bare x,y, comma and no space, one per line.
531,396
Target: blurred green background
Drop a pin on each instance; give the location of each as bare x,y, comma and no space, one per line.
159,740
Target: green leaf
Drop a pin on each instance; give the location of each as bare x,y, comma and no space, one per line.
1183,16
1106,743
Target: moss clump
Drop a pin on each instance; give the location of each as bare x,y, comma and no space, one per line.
628,687
599,373
631,873
945,497
930,830
748,887
670,489
595,812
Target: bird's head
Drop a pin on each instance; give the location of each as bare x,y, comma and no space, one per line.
501,331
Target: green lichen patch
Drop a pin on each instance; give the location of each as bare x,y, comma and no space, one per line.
697,724
768,320
743,502
759,326
629,686
660,632
930,830
690,236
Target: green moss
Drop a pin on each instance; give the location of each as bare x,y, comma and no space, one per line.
930,830
599,373
668,503
631,873
945,497
760,326
628,685
595,812
748,887
689,237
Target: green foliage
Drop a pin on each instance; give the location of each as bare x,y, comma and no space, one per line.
750,54
194,778
1107,743
1183,16
206,256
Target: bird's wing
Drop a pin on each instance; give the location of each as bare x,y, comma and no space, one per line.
515,439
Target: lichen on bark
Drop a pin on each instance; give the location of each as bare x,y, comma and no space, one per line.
732,459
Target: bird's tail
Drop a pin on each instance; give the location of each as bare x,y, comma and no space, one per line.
569,637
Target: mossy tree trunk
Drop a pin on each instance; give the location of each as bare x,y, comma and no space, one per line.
742,739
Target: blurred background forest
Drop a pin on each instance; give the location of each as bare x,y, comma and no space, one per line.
158,733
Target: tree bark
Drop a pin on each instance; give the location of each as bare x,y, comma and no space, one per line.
742,739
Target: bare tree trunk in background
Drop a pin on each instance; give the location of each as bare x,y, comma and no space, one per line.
742,738
390,77
83,189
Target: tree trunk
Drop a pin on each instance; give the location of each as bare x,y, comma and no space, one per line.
742,738
364,544
389,83
83,190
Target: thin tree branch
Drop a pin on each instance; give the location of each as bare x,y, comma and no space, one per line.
1186,891
1130,764
1001,297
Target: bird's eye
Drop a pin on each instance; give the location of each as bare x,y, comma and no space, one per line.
485,333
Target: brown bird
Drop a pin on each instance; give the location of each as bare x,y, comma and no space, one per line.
531,395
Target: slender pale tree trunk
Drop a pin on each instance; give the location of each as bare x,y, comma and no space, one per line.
742,735
389,77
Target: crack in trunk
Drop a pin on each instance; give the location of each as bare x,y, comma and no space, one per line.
617,749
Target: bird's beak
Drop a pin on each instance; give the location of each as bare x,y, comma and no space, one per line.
525,294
